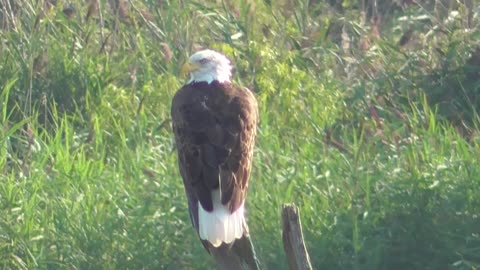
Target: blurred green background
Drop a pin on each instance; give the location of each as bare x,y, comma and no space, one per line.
369,123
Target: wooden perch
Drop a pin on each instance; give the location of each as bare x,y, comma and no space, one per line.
240,256
293,242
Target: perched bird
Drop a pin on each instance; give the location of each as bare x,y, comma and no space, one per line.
214,123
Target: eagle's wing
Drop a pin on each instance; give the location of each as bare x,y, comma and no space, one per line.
215,128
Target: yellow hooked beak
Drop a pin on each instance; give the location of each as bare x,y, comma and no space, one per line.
189,67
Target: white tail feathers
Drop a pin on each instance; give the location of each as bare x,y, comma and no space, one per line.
220,225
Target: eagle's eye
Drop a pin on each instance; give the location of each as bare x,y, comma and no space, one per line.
203,61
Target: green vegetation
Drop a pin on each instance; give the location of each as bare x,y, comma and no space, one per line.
369,123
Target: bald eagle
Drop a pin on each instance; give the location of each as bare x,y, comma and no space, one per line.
214,122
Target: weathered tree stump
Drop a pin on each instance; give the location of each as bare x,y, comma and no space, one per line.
293,242
241,256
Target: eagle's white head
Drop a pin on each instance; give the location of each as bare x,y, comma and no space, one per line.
208,66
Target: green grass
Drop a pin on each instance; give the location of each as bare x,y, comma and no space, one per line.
370,127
